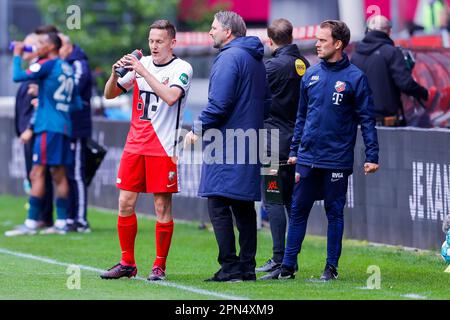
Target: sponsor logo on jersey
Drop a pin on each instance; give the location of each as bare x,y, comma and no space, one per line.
184,78
300,67
119,180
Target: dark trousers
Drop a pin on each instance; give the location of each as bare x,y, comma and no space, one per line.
76,176
221,211
277,220
317,184
46,214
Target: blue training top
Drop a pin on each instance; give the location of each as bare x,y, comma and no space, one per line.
58,94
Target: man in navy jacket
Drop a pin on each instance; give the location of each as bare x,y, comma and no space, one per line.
238,100
81,131
335,98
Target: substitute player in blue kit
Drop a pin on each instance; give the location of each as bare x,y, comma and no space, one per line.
52,128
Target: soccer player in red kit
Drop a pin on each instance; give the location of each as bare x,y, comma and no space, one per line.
161,83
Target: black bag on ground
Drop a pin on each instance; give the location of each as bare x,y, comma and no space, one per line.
94,157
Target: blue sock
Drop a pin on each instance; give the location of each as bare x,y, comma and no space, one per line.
35,207
61,208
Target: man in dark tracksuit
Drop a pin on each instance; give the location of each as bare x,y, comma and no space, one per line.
24,111
238,100
284,72
386,70
335,97
81,131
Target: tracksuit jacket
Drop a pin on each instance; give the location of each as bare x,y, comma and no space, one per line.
334,99
81,119
238,99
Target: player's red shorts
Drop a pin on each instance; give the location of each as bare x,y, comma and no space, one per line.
148,174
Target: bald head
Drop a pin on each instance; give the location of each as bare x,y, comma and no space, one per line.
379,23
30,39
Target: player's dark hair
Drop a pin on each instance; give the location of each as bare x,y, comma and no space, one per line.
50,28
280,31
339,31
164,25
55,39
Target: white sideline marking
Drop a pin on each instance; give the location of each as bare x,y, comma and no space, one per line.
96,270
413,296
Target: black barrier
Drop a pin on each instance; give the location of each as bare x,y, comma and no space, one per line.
404,203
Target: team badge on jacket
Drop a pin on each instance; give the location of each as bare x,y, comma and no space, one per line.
338,96
339,86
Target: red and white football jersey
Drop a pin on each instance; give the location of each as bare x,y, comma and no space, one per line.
154,124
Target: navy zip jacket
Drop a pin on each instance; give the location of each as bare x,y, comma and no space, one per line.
386,70
238,99
23,109
284,73
81,120
334,99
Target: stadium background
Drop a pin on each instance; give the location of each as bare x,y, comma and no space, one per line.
403,204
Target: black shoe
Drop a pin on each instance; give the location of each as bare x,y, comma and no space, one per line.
249,277
269,266
83,227
280,273
329,273
219,276
157,274
119,271
70,227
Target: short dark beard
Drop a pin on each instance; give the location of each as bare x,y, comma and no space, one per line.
217,45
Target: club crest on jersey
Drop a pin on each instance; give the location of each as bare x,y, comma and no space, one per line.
339,86
172,176
165,81
35,67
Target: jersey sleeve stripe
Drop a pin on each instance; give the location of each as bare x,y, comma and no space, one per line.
182,89
122,88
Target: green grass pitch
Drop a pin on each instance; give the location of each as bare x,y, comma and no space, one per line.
35,267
